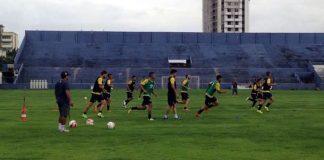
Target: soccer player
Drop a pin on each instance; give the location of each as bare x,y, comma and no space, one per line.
254,92
172,95
107,91
130,89
210,99
266,89
234,88
96,95
148,89
184,92
63,100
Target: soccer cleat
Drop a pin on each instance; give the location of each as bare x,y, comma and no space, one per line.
84,116
151,119
186,110
165,117
124,104
129,111
247,98
64,131
197,115
259,111
267,109
100,115
109,111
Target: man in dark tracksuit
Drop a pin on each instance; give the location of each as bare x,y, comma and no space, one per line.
63,100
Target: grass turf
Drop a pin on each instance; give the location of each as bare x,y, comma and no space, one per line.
292,130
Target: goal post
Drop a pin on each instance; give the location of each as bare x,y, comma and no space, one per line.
194,82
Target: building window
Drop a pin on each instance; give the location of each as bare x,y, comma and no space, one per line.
229,3
229,23
229,16
229,29
228,10
236,23
236,16
236,10
236,29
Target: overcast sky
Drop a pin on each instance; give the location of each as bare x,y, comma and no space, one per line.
152,15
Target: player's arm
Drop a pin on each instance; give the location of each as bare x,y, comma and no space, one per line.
68,94
143,84
100,82
218,88
128,83
173,86
154,93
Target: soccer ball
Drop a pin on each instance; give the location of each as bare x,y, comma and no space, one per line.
111,125
90,122
73,124
85,98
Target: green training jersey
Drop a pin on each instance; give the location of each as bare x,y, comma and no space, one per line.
148,85
185,85
212,88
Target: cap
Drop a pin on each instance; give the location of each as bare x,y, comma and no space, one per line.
64,74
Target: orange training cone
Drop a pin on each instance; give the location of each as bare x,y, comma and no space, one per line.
23,116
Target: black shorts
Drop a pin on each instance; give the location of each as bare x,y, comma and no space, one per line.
96,98
106,96
146,100
267,95
172,99
64,109
129,95
254,96
210,101
184,96
259,96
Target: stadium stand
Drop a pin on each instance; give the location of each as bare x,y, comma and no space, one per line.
290,56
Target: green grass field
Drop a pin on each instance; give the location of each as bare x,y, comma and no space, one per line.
294,129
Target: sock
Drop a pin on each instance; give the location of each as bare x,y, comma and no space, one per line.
268,105
149,116
84,112
108,107
98,105
59,126
185,107
127,101
100,111
200,111
260,107
176,116
165,116
254,102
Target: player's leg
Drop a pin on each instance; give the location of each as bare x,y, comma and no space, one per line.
174,110
64,111
149,112
254,99
261,101
129,99
108,102
169,107
89,105
270,101
102,105
141,107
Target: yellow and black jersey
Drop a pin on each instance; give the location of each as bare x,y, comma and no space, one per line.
108,85
171,82
267,84
254,88
96,87
131,85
